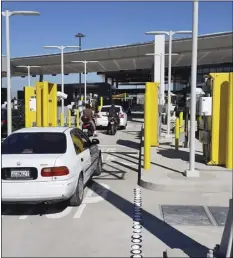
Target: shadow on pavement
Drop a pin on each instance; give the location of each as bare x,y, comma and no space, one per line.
129,144
183,155
33,209
116,174
156,164
125,165
160,229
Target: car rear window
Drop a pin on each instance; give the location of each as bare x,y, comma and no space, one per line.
35,143
106,109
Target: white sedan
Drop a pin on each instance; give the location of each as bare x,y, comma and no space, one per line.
102,116
48,164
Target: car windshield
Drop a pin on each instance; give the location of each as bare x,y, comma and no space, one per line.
3,114
106,109
35,143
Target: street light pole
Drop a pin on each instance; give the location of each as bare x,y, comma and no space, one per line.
192,172
8,67
169,83
29,71
170,34
62,79
85,62
85,81
7,15
62,69
80,36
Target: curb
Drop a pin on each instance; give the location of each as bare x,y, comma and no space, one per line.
182,188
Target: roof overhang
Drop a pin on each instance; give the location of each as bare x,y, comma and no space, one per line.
212,49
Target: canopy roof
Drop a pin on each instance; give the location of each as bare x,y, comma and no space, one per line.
212,49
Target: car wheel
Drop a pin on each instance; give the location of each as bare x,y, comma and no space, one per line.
98,170
77,197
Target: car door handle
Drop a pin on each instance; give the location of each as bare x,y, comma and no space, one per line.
81,159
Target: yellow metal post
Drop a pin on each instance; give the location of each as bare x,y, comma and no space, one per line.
177,134
101,101
52,104
45,105
77,119
181,121
153,93
219,118
81,98
61,119
39,103
229,131
30,115
69,118
147,128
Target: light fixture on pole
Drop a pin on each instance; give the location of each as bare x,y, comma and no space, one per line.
80,36
62,69
85,76
161,99
191,172
170,34
7,15
29,71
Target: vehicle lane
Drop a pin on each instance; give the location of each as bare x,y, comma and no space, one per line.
98,227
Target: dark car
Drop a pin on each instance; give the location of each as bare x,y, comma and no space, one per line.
18,121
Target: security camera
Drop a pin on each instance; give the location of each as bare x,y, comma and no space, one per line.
61,95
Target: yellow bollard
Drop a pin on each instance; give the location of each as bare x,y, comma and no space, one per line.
77,119
147,128
99,108
152,89
229,131
181,121
177,134
101,101
82,98
69,118
61,119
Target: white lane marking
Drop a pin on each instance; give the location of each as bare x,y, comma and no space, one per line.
101,195
23,217
79,211
59,215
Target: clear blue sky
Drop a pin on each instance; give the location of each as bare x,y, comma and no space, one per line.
104,24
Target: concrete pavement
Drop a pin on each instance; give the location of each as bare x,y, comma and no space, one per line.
102,226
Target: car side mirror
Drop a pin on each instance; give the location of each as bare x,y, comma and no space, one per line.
95,141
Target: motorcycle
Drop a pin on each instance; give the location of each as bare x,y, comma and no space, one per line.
112,126
87,127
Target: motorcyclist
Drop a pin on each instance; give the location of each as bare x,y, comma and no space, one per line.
88,117
113,113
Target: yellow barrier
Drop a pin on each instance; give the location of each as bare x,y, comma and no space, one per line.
181,121
46,104
177,134
101,101
81,98
30,115
219,118
77,119
229,131
62,119
147,128
152,89
69,118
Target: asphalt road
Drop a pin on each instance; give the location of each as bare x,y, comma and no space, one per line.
101,226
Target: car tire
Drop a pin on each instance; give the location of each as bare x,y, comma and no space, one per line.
98,170
77,198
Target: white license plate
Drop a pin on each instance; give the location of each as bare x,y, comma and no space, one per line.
20,173
85,130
